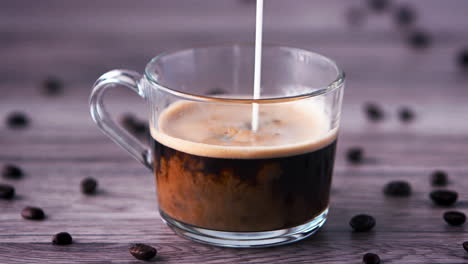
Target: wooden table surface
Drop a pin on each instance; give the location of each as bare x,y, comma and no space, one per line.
77,41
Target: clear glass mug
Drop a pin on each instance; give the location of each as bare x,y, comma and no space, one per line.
219,182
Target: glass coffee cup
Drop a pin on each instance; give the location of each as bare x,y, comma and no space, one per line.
219,181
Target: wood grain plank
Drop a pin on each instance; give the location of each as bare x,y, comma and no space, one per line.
319,249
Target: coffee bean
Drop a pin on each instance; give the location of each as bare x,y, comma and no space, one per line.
17,120
465,246
378,5
355,155
397,189
370,258
454,218
11,171
133,125
439,178
52,86
6,191
444,197
216,91
140,128
405,114
128,121
88,186
62,238
142,251
462,58
419,39
373,112
362,223
32,213
404,15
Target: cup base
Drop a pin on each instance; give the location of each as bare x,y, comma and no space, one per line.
246,239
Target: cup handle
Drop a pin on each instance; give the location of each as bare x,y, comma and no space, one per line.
115,78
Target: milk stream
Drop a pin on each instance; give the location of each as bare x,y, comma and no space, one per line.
258,63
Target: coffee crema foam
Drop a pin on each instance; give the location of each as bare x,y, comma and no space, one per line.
223,130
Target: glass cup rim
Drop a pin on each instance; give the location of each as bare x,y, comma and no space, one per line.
336,83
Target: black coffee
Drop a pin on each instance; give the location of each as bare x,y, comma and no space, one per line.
243,194
226,177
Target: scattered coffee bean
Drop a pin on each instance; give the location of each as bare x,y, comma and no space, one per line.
355,16
378,5
405,114
444,197
215,91
355,155
404,15
362,223
439,178
465,246
52,86
140,128
6,191
462,58
62,238
454,218
88,186
32,213
11,171
397,189
128,121
142,251
419,39
370,258
373,112
133,125
17,120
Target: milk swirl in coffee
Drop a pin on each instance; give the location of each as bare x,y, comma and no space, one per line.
214,172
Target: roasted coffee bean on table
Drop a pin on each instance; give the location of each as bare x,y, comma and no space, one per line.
355,155
404,15
62,238
216,91
6,191
444,197
133,125
11,171
373,112
405,114
17,120
462,58
397,189
128,121
370,258
140,128
52,86
32,213
89,186
454,218
419,39
439,178
362,222
465,246
142,251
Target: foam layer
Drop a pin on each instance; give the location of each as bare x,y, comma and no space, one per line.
223,131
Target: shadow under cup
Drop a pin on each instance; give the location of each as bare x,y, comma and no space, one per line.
218,182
